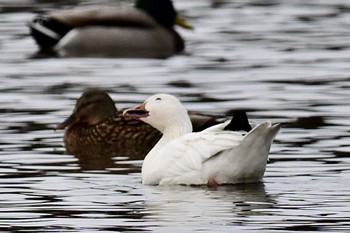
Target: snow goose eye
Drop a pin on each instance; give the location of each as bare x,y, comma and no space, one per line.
158,98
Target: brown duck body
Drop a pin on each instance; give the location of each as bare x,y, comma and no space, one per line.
116,135
96,127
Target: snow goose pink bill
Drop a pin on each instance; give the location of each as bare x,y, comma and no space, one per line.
215,156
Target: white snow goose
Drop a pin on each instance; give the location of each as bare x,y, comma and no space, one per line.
221,154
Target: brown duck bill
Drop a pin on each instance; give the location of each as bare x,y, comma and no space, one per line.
72,119
136,112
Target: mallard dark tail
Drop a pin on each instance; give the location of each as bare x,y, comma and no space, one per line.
47,32
239,122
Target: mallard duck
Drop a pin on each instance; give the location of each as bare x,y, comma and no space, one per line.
97,127
214,156
146,30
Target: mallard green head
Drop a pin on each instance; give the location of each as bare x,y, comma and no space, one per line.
163,12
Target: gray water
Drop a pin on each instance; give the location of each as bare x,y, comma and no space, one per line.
280,60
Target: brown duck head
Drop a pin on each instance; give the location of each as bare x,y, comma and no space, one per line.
92,107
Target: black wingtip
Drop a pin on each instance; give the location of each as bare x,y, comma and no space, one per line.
239,122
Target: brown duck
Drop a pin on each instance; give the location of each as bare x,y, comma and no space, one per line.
97,127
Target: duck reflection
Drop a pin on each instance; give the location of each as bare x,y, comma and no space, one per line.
96,132
227,205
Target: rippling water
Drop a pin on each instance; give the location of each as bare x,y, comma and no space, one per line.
285,61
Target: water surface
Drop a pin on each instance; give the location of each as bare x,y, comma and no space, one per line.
284,61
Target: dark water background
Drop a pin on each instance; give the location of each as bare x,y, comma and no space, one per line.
284,61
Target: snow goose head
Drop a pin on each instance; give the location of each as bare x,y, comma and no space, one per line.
164,112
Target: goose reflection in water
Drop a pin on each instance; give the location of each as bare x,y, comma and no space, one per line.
174,204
